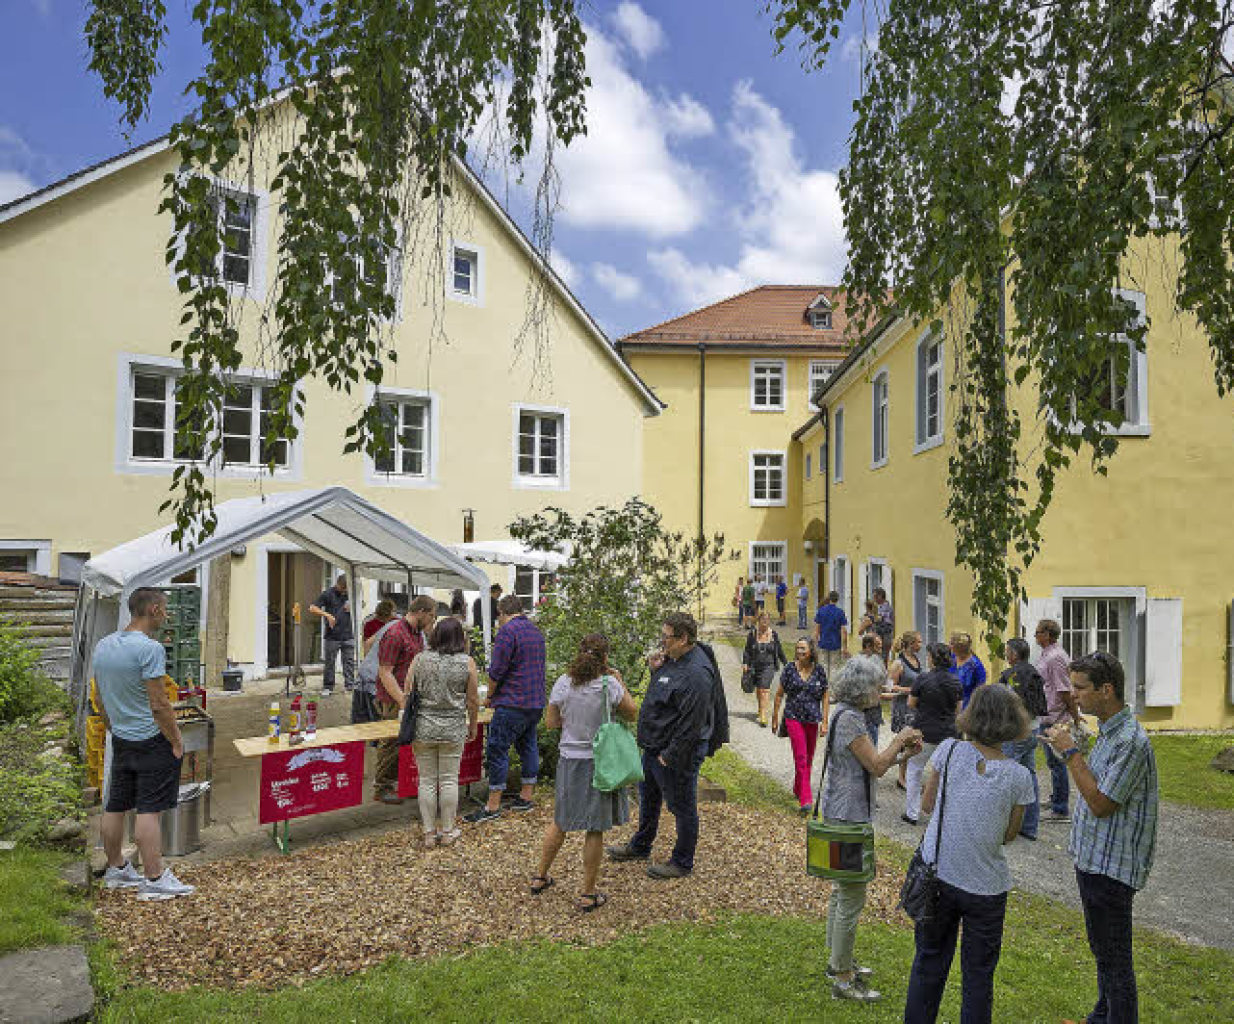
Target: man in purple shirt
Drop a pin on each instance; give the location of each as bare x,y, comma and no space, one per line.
516,673
1054,667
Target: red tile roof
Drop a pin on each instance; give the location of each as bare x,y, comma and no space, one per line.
772,316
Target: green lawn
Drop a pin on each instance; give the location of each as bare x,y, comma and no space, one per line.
33,900
744,969
746,785
1184,775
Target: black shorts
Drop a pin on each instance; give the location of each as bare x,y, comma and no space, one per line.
145,775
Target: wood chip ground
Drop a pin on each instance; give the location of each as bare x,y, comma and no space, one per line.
337,909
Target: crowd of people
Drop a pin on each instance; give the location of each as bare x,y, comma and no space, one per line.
966,748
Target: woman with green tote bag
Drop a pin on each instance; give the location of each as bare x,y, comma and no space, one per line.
846,799
582,701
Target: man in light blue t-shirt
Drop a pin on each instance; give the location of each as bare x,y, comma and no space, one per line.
146,747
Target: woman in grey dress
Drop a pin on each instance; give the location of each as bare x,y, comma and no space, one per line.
445,678
852,766
762,659
903,671
576,706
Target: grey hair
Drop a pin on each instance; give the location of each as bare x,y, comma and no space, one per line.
994,716
859,681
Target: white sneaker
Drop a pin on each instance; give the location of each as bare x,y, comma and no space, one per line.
166,887
126,877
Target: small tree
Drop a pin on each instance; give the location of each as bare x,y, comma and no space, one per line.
625,573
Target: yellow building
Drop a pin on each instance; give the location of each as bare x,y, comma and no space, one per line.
1130,562
90,310
735,377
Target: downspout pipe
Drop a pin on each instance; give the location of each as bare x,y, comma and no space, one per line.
826,414
702,460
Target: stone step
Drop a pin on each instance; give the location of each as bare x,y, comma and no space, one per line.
47,617
15,605
57,629
46,986
58,641
68,594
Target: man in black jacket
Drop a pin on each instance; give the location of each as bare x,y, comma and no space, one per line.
684,718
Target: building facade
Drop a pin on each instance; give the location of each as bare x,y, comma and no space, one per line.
482,430
735,377
1130,562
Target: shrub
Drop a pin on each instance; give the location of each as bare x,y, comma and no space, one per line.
36,790
24,690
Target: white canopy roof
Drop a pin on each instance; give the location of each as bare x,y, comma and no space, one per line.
331,522
509,552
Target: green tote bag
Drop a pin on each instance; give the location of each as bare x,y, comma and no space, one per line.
615,755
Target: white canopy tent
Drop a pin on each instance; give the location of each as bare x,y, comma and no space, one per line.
331,522
510,552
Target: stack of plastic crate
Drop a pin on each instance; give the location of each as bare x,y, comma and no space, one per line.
182,634
95,740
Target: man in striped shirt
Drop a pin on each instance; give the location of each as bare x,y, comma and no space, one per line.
1114,831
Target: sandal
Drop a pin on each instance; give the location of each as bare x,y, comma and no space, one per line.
591,901
542,882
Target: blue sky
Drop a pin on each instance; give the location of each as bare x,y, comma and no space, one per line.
710,164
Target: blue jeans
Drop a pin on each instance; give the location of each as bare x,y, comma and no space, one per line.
1025,752
980,946
679,789
512,727
1060,785
801,614
1107,919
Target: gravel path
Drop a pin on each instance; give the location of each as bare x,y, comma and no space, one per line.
1188,893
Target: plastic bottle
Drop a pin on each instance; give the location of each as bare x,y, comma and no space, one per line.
273,734
310,720
294,725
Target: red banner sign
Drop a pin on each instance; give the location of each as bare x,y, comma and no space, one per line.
295,783
470,768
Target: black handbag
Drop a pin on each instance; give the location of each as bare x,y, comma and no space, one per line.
919,893
407,727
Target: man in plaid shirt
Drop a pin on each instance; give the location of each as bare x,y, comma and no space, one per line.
1114,830
516,673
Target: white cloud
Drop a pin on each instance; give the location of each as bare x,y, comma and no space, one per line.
686,118
622,287
638,30
790,226
623,173
565,268
14,185
850,49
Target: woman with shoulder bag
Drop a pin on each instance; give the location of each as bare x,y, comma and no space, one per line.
803,691
982,794
446,717
850,766
577,706
762,657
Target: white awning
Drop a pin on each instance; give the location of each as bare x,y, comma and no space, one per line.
509,552
331,522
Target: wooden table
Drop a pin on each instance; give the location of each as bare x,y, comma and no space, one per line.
335,780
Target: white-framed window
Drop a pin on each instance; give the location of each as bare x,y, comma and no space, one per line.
928,605
243,216
929,432
1124,390
809,460
1097,624
541,447
837,446
150,438
820,319
820,373
465,273
377,264
880,402
409,421
767,385
26,556
768,560
767,478
532,585
246,427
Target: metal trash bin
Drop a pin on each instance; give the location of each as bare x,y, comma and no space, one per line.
233,680
181,825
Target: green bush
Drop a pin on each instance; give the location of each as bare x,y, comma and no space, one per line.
36,790
24,690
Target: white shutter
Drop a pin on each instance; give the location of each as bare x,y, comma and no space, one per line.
848,588
1163,652
1039,608
891,597
863,580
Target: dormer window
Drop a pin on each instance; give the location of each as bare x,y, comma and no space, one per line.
818,313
